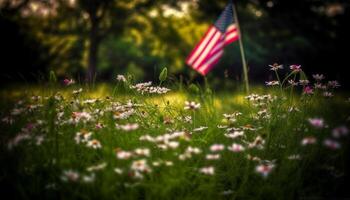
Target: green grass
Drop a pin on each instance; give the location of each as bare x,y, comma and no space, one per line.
31,171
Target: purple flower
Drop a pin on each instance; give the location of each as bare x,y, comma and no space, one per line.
316,122
68,81
308,90
295,68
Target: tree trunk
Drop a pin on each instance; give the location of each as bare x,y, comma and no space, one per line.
94,42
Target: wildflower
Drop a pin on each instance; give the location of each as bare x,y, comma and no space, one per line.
70,175
292,82
121,78
188,153
191,105
140,166
340,131
7,120
217,147
253,158
319,86
123,115
188,119
172,144
212,156
82,136
80,116
200,129
68,82
333,84
264,169
134,174
304,82
142,152
193,150
232,117
99,126
275,67
123,155
308,90
90,101
272,83
88,179
19,138
128,127
308,140
95,144
118,170
316,122
331,144
147,88
75,92
207,170
168,163
295,68
318,77
263,114
258,143
327,94
39,140
97,167
236,148
235,134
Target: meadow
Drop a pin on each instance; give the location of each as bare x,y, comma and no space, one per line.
163,140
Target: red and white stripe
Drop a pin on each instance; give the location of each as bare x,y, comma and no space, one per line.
210,49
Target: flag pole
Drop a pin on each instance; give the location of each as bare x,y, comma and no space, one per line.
244,63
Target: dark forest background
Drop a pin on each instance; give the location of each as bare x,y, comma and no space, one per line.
76,38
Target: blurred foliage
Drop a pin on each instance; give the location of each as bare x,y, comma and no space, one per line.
142,36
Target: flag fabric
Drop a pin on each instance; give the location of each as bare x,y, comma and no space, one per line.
209,50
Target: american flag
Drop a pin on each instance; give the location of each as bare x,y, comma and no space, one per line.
209,50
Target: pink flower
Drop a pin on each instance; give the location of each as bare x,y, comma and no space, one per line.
264,169
68,81
308,90
210,170
99,126
295,68
308,140
316,122
217,147
236,148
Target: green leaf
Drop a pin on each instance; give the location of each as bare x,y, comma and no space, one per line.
52,77
163,75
